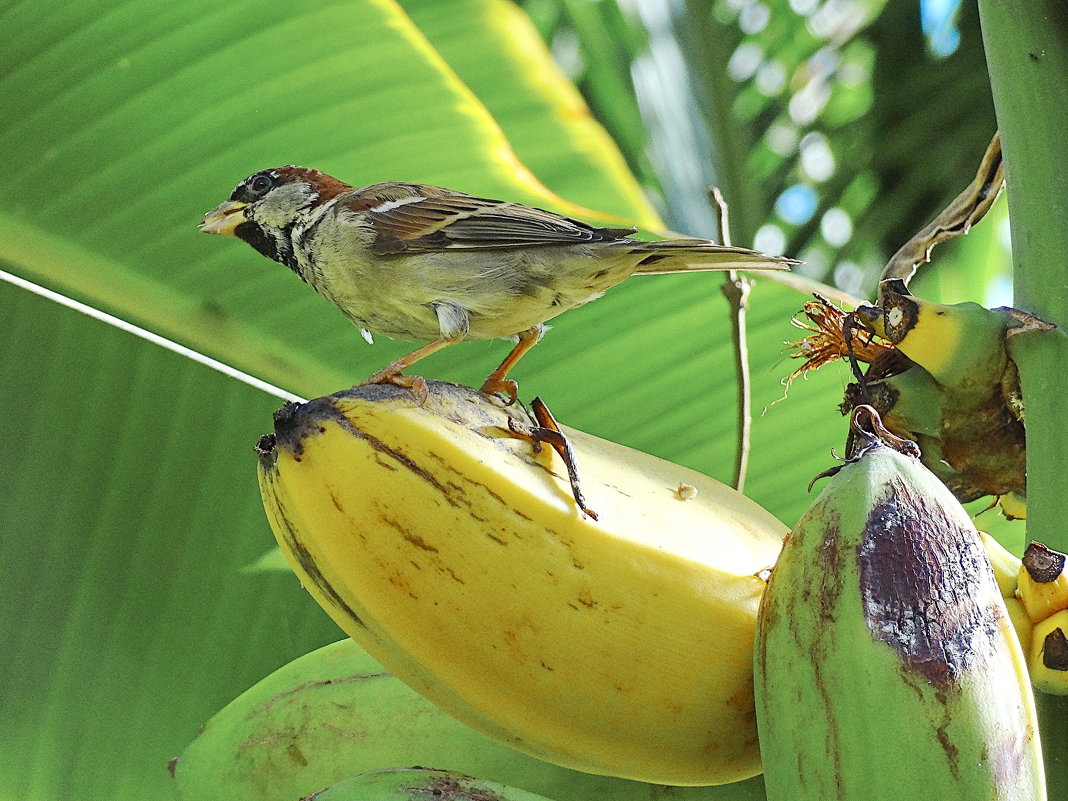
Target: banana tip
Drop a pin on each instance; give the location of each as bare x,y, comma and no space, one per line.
1043,564
265,449
294,422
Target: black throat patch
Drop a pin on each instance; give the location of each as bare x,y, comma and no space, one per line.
277,248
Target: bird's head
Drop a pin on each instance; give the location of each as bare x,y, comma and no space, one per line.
265,207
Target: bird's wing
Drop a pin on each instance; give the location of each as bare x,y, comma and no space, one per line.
412,218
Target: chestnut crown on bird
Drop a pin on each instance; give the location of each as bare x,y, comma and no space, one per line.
434,265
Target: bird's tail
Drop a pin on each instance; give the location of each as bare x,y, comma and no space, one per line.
683,255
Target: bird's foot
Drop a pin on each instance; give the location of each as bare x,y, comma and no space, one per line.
506,387
392,375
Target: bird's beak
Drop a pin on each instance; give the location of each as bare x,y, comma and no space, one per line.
224,218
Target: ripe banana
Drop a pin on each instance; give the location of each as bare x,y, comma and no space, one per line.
336,711
1013,506
1043,592
410,784
1043,582
1049,654
456,556
886,667
1005,564
1006,567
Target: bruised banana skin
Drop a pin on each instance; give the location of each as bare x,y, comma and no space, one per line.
886,666
456,556
420,784
336,711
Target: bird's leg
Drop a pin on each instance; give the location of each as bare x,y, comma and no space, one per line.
392,373
496,382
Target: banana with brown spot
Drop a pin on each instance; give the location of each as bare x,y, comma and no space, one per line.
456,556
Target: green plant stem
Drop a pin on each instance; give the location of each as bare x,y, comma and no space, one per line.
1027,54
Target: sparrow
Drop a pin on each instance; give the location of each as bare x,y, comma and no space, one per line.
427,264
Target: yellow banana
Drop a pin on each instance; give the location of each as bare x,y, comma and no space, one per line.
1043,594
1021,623
1013,506
960,345
1006,567
979,408
939,375
886,667
1005,564
456,556
1049,654
1043,582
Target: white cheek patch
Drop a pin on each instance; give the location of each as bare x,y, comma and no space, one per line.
393,204
895,316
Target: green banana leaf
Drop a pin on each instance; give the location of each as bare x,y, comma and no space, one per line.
130,516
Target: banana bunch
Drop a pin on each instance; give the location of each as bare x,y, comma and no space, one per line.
959,394
408,784
455,554
1043,592
1035,591
336,712
940,375
886,666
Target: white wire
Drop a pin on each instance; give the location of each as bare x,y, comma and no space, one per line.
155,339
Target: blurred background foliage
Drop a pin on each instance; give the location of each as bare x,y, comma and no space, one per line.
135,602
836,129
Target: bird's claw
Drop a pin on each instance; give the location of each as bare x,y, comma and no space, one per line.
504,387
417,384
547,430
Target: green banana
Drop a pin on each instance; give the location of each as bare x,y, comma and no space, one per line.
886,667
336,711
961,345
420,784
455,554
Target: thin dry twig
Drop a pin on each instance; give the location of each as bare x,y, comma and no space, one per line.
736,289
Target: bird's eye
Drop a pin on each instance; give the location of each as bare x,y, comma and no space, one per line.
260,183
